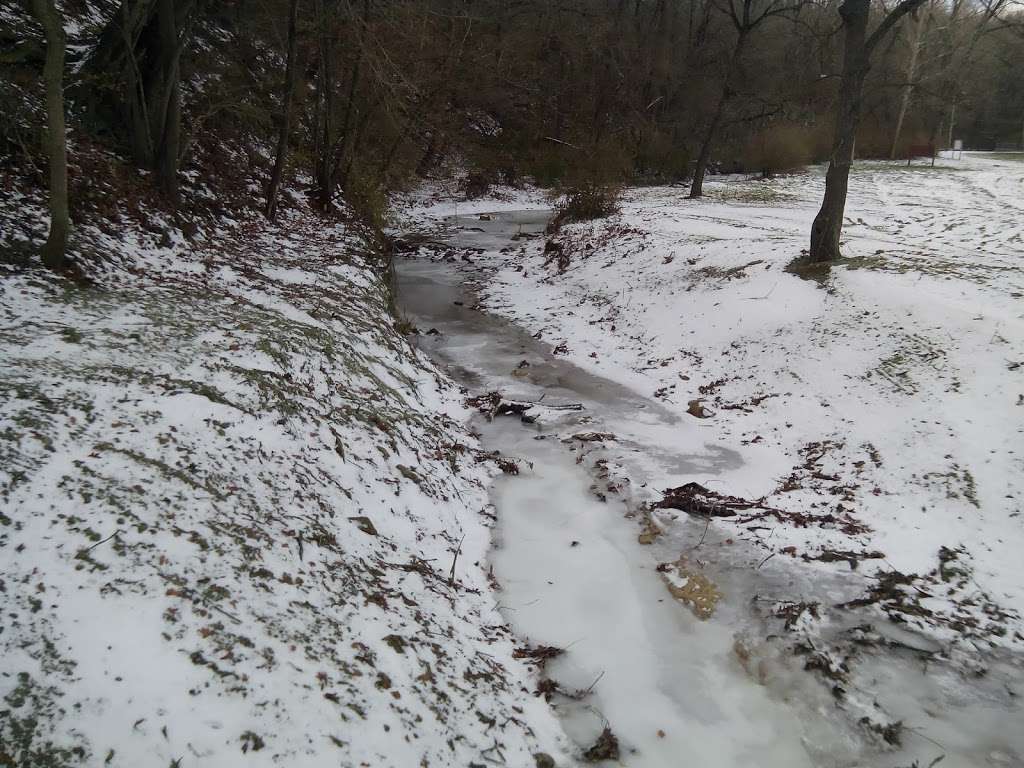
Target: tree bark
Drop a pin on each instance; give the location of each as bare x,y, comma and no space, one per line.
342,154
952,124
55,250
828,224
290,68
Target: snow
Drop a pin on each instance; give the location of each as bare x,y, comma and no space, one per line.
232,490
875,604
910,352
571,574
231,495
605,605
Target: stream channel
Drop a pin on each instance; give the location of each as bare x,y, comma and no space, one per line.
572,573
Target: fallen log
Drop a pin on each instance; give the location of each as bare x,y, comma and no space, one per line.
695,499
494,404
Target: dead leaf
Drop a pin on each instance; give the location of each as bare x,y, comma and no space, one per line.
695,408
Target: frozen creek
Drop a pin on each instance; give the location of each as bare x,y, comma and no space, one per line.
573,575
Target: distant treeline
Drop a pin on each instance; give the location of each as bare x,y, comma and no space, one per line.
354,98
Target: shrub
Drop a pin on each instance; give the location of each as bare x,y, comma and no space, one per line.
659,158
874,137
477,184
547,164
574,163
585,201
778,148
368,200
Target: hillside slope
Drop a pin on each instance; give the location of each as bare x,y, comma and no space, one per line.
232,495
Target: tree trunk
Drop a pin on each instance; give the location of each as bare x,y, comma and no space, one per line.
828,224
54,251
141,47
136,108
325,112
704,157
165,98
290,68
908,87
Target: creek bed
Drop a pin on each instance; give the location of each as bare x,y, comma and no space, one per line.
571,570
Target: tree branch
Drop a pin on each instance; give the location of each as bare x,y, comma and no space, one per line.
890,21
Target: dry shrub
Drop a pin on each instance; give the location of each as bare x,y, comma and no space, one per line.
563,166
368,200
779,148
477,183
874,138
547,164
490,165
592,184
585,201
908,139
659,158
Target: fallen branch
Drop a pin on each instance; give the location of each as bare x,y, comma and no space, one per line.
101,541
455,559
559,141
494,404
695,499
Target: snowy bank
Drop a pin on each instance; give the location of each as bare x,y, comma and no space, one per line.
891,394
847,452
241,522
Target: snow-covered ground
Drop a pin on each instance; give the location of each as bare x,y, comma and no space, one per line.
240,520
861,437
893,393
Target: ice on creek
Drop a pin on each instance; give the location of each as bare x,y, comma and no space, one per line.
673,688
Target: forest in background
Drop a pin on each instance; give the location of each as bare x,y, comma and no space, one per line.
354,99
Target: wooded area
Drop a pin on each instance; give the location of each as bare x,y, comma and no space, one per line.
511,383
352,100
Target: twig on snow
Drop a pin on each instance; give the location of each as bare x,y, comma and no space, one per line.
559,141
759,298
703,535
455,559
101,541
586,691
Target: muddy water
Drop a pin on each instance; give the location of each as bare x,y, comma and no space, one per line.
572,573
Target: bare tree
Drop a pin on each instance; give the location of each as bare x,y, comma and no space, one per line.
858,47
143,43
290,69
987,12
916,40
746,16
54,251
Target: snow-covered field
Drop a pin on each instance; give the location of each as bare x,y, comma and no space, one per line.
874,511
242,521
231,498
892,393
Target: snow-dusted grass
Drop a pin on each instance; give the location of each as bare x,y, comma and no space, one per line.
231,495
891,393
